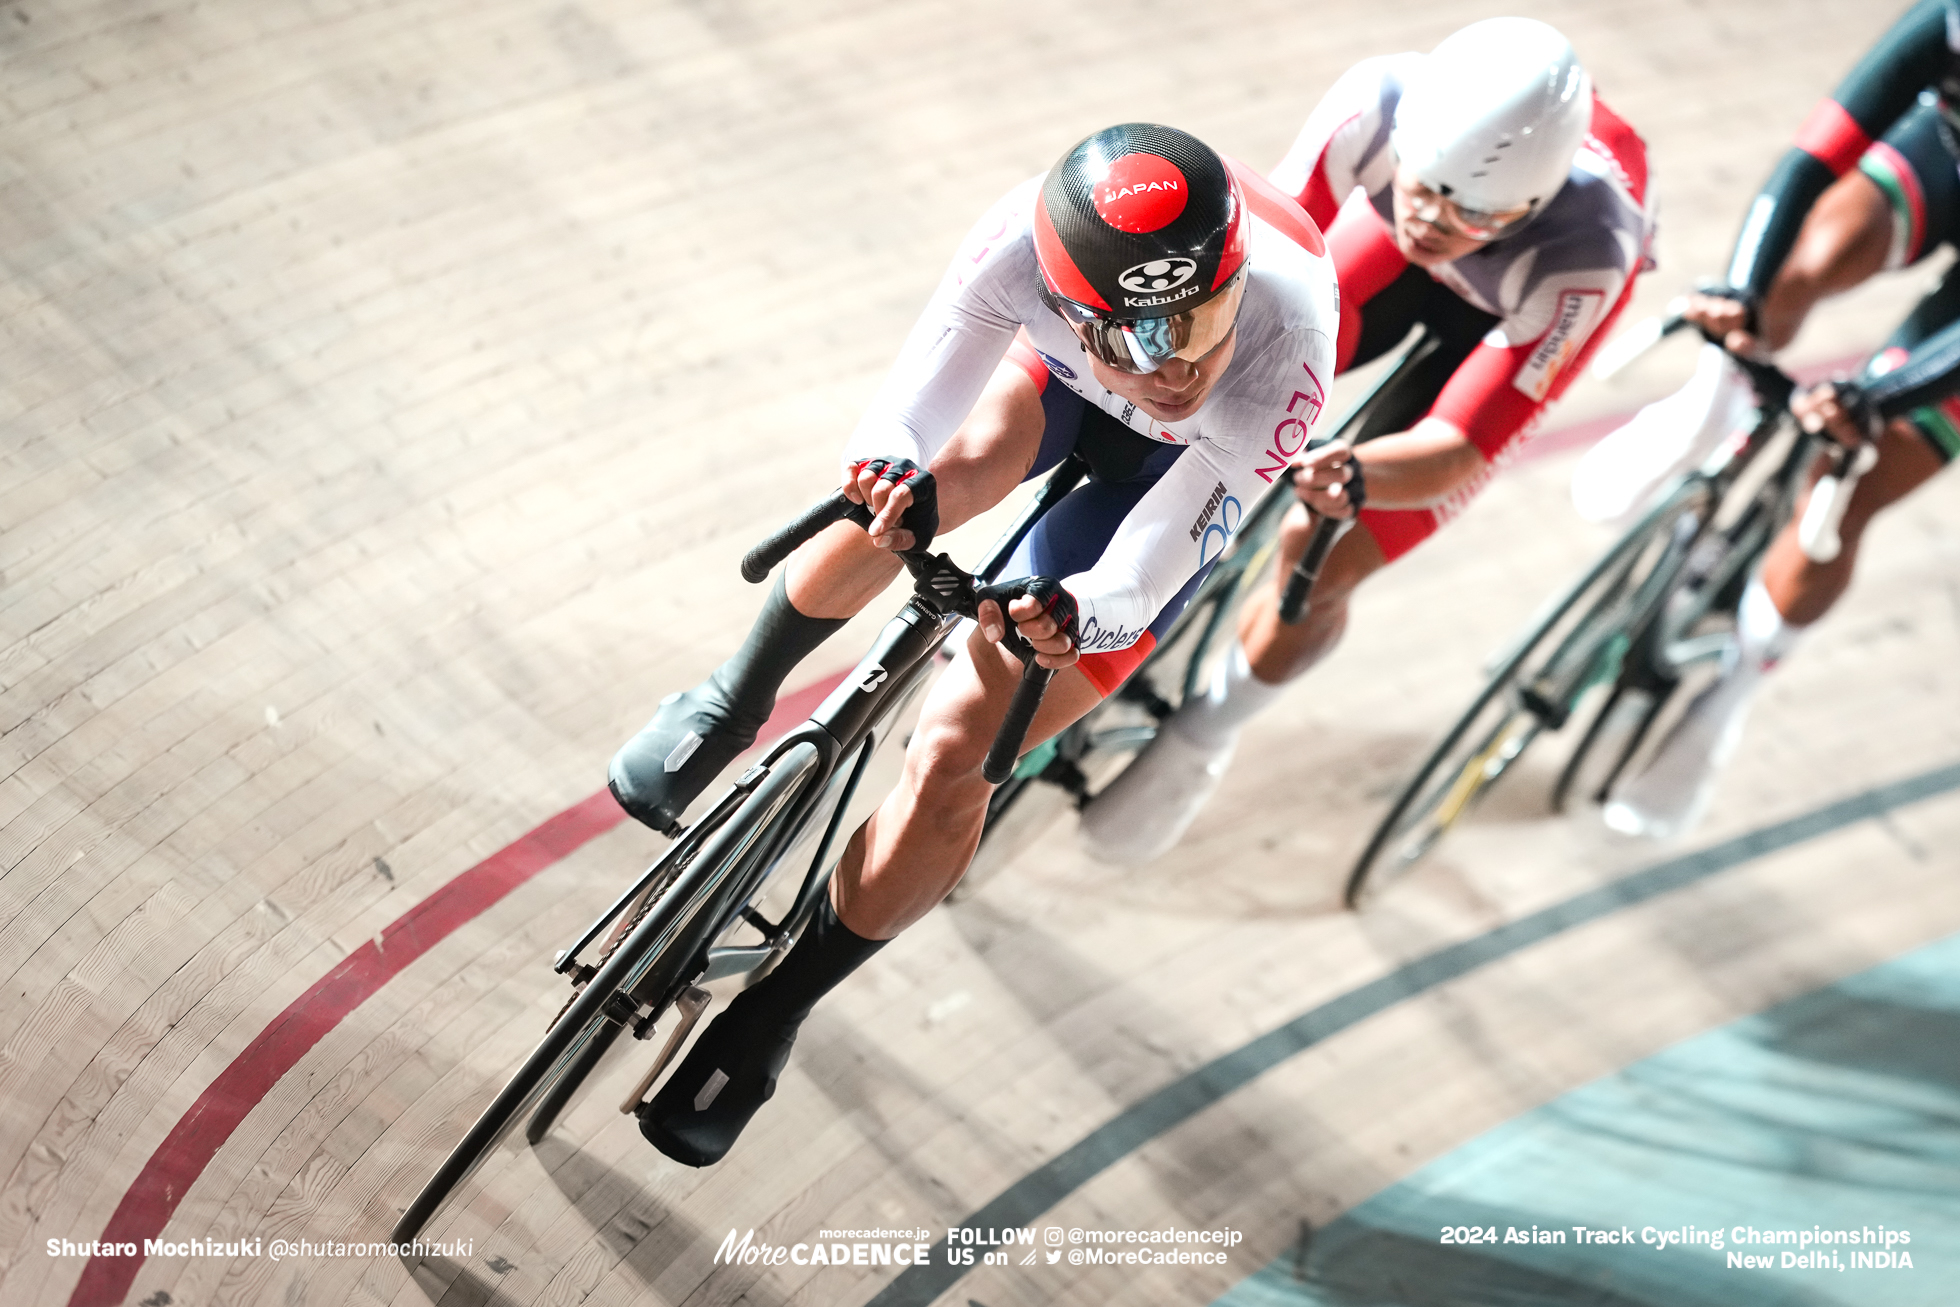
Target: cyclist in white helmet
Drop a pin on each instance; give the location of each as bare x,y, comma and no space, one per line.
1484,192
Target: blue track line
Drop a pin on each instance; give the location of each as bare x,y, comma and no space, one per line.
1180,1100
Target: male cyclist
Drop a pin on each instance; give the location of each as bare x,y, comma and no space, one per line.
1871,184
1168,316
1483,192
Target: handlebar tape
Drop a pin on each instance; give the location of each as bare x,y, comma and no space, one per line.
761,560
1299,586
1006,750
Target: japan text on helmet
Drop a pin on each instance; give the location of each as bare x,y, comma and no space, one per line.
1140,232
1493,118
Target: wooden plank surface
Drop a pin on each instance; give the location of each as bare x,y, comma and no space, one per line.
391,390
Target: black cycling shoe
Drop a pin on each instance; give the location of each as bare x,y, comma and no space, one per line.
730,1072
658,772
694,735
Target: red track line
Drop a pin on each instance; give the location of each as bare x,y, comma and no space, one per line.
178,1161
149,1202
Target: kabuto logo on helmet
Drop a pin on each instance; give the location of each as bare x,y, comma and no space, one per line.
1158,275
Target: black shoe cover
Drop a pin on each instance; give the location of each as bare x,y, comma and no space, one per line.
730,1072
694,735
658,772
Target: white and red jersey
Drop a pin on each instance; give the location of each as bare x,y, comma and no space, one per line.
1553,285
1257,416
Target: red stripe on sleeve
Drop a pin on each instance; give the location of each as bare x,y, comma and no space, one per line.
1023,355
1108,671
1319,200
1365,262
1623,146
1832,137
1480,401
1318,197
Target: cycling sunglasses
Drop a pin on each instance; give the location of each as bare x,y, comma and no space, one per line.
1147,344
1441,211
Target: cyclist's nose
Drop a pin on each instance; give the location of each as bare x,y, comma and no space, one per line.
1176,374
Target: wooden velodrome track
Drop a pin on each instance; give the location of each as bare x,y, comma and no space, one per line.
390,389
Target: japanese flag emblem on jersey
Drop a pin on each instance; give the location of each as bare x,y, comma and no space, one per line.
1578,312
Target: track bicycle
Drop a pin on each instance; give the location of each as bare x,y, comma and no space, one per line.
1614,648
1072,767
696,915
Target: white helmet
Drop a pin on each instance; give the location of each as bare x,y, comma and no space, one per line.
1495,115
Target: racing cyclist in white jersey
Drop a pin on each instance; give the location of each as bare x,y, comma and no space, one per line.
1166,314
1483,191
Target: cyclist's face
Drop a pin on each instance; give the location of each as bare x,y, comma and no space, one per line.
1174,391
1424,230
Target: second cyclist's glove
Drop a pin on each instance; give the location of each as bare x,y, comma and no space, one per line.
1355,491
1057,604
922,518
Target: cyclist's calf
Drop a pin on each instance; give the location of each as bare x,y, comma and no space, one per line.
915,847
1278,652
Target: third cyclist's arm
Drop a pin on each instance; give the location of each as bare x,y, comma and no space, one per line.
1909,58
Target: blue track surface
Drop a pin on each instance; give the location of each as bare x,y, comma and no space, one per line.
1839,1110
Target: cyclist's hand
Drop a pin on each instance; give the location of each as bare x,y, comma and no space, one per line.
902,495
1322,479
1822,410
1725,319
1043,612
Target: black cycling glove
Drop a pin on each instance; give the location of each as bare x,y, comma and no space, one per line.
1056,603
1356,488
1858,403
922,518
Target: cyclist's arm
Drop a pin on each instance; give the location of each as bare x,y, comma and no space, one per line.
1416,468
1907,59
1497,393
1345,138
1186,519
952,351
1929,374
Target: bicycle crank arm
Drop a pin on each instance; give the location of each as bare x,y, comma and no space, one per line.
692,1003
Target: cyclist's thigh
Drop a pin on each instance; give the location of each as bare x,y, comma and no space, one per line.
1072,537
1914,170
1457,326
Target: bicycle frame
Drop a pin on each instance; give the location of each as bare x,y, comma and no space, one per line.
850,722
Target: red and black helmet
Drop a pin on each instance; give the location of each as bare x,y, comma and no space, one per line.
1140,224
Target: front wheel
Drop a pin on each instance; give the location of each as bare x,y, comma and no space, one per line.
648,963
1579,641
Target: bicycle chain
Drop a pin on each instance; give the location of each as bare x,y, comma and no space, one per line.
620,934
